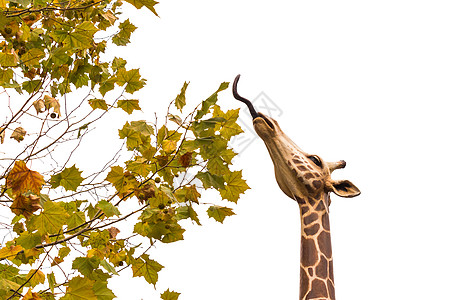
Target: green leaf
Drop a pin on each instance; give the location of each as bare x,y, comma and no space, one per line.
234,186
139,167
51,281
108,267
50,220
107,86
180,100
102,291
32,57
142,127
170,295
29,240
98,103
118,63
8,60
80,288
219,212
128,105
211,180
108,209
70,179
150,4
76,219
133,137
81,38
6,75
147,268
6,286
131,78
206,105
86,265
122,38
31,86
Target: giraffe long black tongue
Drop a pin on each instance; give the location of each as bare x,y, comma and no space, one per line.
242,99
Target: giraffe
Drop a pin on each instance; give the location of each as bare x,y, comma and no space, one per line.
305,178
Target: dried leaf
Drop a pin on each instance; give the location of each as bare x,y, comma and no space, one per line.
21,179
51,102
18,134
26,206
113,231
39,106
2,135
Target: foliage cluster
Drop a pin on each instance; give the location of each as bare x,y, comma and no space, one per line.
59,215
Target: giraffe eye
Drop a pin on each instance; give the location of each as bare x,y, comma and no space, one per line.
315,159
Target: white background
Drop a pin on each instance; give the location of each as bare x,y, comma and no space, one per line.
364,81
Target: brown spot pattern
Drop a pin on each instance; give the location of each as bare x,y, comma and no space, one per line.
304,283
308,176
331,290
309,255
322,268
311,218
317,184
324,240
312,230
318,289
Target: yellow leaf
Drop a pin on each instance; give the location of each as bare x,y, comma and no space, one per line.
35,277
10,251
21,179
169,146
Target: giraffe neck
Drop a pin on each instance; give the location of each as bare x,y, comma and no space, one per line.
316,261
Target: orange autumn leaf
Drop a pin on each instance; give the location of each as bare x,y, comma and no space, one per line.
21,179
26,206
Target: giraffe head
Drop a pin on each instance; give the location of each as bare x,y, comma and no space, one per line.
298,173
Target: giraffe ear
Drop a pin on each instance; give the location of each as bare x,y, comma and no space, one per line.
344,188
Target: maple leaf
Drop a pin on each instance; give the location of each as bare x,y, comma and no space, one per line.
219,212
131,78
50,220
147,3
26,206
148,268
80,288
129,105
234,186
98,103
107,208
170,295
69,179
21,179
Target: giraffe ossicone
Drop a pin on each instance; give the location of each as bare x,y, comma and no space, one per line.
306,178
